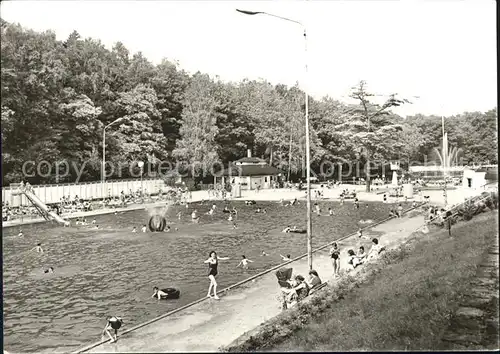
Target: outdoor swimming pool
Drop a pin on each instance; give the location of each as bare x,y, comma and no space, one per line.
112,271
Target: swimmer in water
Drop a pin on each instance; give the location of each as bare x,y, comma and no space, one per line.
144,228
194,216
210,212
244,262
20,233
263,254
50,270
94,221
330,211
113,323
179,215
134,229
360,233
287,229
158,293
167,229
38,248
230,218
235,226
96,227
287,258
214,206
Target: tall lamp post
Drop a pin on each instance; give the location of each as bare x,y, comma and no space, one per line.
308,147
103,175
445,156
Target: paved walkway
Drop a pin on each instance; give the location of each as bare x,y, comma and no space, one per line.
212,324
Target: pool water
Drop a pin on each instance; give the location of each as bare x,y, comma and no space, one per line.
112,271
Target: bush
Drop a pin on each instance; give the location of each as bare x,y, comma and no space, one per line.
468,210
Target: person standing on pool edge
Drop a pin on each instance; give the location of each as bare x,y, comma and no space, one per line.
113,323
212,272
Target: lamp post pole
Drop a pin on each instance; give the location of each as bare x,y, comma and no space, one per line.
445,153
141,166
308,147
103,173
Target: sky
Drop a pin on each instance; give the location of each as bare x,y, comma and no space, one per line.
439,54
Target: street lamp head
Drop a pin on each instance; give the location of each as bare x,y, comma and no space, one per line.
115,121
248,12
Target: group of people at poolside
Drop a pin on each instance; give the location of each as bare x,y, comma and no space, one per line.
354,259
299,288
213,263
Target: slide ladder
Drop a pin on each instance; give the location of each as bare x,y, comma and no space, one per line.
40,206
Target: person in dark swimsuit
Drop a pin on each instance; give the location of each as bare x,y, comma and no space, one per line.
113,323
335,256
50,270
213,261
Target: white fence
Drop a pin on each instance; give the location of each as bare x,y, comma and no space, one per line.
52,193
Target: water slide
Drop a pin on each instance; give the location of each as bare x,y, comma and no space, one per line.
42,208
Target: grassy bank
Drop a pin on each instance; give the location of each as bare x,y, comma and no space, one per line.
404,302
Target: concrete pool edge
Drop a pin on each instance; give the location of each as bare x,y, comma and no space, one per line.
236,285
86,214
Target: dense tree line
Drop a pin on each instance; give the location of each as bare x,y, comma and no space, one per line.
58,95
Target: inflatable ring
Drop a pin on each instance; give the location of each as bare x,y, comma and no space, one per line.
298,231
172,293
157,223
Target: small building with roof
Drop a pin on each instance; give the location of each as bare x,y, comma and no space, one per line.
475,178
250,173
